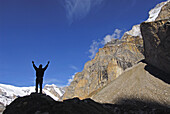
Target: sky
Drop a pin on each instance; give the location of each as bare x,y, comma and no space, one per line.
67,33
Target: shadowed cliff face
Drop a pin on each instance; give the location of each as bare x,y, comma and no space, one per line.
42,104
156,36
108,64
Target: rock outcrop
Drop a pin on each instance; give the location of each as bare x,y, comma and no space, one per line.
156,36
42,104
108,64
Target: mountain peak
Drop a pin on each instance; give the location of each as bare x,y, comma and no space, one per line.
154,13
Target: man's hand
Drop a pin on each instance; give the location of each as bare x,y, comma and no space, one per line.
32,62
48,62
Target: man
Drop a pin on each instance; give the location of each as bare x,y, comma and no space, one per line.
39,75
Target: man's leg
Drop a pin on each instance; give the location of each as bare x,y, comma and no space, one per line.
36,85
41,85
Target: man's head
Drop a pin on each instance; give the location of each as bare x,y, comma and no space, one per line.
40,66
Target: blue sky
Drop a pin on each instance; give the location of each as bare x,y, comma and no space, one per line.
65,32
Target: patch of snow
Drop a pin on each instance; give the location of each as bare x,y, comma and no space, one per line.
57,90
50,94
135,31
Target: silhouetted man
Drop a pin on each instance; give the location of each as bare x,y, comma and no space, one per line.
39,75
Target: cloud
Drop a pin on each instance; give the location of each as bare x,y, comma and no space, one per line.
58,83
106,39
78,9
71,79
116,34
96,44
52,80
94,48
73,67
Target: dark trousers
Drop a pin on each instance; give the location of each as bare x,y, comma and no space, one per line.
39,81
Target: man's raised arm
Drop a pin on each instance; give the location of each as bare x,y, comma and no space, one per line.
34,65
46,66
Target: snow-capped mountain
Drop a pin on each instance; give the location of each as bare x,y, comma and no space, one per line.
53,91
153,14
8,92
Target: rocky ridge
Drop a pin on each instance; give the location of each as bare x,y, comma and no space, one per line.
42,104
113,59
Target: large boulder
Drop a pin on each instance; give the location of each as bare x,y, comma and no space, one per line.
156,36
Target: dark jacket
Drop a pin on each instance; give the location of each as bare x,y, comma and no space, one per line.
40,71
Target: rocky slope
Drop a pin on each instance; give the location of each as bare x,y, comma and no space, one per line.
113,59
135,83
42,104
